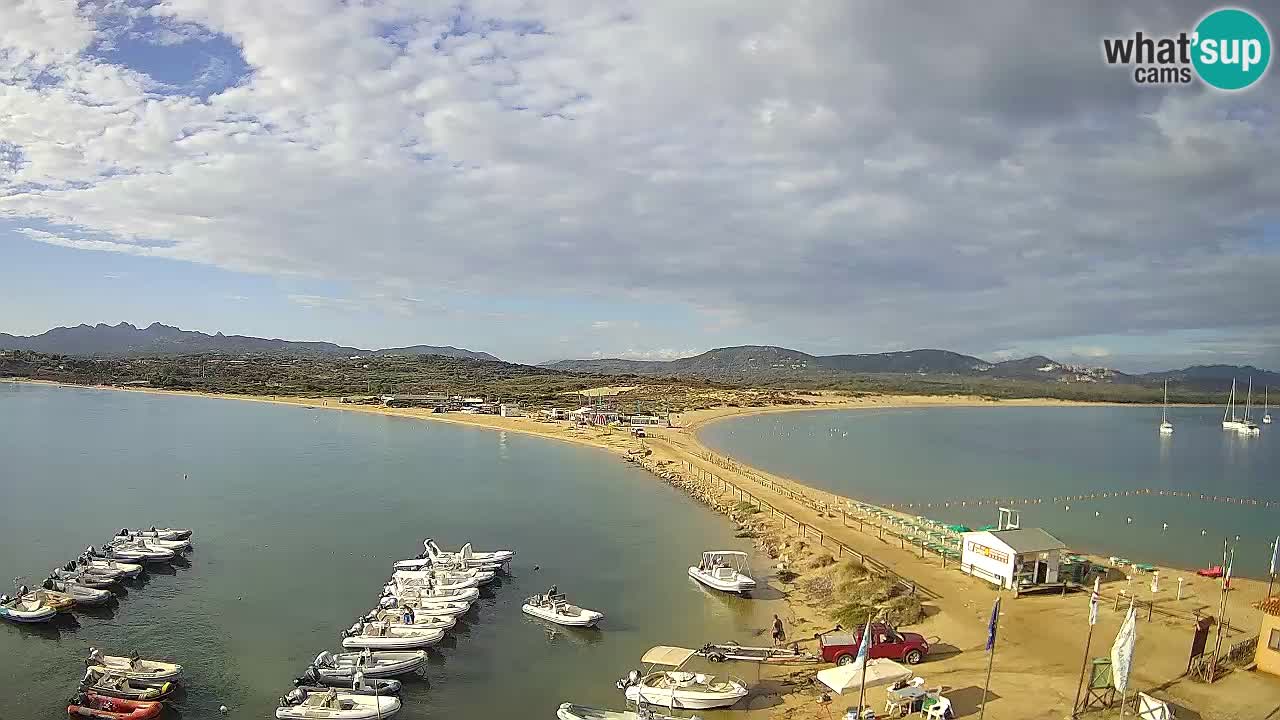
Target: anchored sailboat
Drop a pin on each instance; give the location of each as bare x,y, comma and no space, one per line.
1229,419
1166,427
1247,426
1266,406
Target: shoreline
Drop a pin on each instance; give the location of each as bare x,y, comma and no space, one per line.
1041,635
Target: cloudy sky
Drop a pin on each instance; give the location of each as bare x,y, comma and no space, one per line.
545,180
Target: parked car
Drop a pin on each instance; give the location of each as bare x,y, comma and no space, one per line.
841,648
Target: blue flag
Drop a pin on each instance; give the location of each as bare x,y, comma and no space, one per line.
991,626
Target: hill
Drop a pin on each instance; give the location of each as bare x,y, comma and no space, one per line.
125,340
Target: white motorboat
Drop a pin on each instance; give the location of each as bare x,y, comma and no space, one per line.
25,610
125,536
570,711
335,705
138,551
1166,427
724,570
87,578
1230,421
433,579
410,618
435,609
107,565
426,563
382,636
419,592
134,668
311,680
83,595
468,555
163,533
676,688
553,607
1266,405
332,667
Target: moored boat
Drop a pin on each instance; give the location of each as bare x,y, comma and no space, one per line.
554,607
423,607
116,685
312,681
332,704
87,578
410,617
25,610
93,705
467,555
570,711
342,667
724,570
383,636
106,565
83,596
133,667
163,533
125,536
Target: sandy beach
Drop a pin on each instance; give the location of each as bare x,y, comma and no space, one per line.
1041,642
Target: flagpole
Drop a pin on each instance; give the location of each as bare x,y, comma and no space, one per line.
1088,640
864,649
991,654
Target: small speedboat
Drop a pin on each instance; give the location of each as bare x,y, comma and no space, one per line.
569,711
134,668
332,704
553,607
126,536
93,705
311,681
107,565
384,636
410,617
437,609
116,685
25,610
724,570
447,579
162,533
467,555
87,578
676,688
84,596
342,667
428,592
138,552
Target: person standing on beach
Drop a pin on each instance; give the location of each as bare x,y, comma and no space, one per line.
779,635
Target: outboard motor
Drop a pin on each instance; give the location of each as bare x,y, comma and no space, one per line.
295,696
309,677
387,602
632,678
324,659
69,567
4,599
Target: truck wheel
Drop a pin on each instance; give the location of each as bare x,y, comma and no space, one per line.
844,660
914,657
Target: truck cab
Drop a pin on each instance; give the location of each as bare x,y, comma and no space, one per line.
841,648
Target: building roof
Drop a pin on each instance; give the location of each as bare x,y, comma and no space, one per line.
1270,606
1029,540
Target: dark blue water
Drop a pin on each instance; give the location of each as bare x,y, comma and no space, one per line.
298,515
934,457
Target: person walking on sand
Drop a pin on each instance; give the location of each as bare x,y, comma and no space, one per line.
779,635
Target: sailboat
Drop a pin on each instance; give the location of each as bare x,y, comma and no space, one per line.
1247,426
1266,406
1166,427
1229,419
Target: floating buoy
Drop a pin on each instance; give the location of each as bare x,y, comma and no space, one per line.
1166,526
1128,520
1097,514
1068,508
222,709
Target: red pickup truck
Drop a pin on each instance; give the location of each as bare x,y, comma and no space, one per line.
841,648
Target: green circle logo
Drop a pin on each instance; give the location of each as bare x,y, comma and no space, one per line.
1232,49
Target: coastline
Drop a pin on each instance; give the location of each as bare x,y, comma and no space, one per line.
1041,635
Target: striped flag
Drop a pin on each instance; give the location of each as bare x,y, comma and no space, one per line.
993,625
1093,602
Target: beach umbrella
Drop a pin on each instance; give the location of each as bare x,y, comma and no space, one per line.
846,678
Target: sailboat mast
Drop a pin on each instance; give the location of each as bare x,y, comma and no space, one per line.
1164,414
1248,400
1231,399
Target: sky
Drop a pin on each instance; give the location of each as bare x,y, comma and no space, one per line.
550,180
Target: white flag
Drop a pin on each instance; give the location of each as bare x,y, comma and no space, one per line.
1093,603
1275,555
1122,650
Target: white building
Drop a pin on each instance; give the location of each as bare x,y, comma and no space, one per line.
1013,557
509,410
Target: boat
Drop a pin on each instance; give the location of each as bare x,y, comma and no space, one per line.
93,705
676,688
342,667
133,667
553,607
382,636
59,601
1166,427
170,544
87,578
107,565
163,533
136,552
1230,421
724,570
732,651
1213,571
570,711
25,610
423,607
433,580
398,617
1266,405
312,681
83,595
335,705
468,556
1248,426
118,686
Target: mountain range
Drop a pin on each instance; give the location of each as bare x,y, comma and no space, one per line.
124,339
767,363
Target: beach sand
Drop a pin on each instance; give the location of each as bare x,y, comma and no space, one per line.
1040,649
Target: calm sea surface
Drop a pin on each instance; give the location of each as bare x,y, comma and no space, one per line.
947,454
298,515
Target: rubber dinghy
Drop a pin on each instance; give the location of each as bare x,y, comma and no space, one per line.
311,681
83,596
106,565
171,544
334,705
427,591
25,610
93,705
342,667
423,607
136,552
553,607
382,636
119,686
569,711
163,533
87,578
410,617
133,667
467,555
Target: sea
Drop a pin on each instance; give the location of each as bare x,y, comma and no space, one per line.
298,514
1100,478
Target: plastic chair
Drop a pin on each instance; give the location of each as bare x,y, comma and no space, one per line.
939,710
894,708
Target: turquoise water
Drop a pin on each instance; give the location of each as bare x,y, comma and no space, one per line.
298,515
940,456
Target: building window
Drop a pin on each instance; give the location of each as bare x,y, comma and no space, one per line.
1274,641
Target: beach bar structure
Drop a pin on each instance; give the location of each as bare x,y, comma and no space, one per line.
1267,654
1012,558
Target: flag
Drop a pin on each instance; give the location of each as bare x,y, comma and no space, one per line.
993,624
1275,555
864,647
1226,577
1122,650
1093,602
